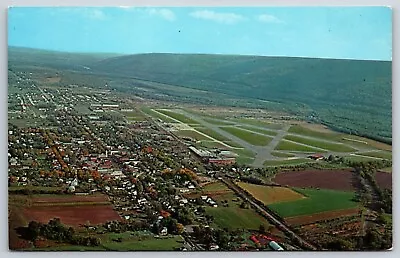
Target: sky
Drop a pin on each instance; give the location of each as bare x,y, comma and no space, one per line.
363,33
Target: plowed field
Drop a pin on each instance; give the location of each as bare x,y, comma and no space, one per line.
325,179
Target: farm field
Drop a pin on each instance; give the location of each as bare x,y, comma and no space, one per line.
325,179
320,144
291,146
270,194
308,219
317,201
252,138
384,179
284,162
72,215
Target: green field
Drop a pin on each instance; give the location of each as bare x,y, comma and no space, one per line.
213,134
378,154
156,115
291,146
216,186
320,144
317,201
259,130
177,116
252,138
192,134
236,218
257,122
245,156
217,122
281,154
146,244
298,129
355,158
273,163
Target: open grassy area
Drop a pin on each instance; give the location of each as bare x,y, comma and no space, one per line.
145,244
217,122
298,129
177,116
291,146
252,138
236,217
317,201
156,115
320,144
259,130
270,194
257,122
272,163
192,134
378,154
216,186
356,158
281,154
245,156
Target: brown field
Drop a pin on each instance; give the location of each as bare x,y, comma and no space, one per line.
325,179
384,179
270,194
72,216
308,219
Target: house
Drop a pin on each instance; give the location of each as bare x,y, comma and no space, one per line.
316,157
164,231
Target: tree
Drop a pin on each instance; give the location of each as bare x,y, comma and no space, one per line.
179,228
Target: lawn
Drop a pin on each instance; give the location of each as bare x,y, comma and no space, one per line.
270,194
319,144
252,138
317,201
298,129
236,217
177,116
355,158
259,130
275,163
291,146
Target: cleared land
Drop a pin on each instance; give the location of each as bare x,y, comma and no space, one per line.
252,138
291,146
270,194
317,201
307,219
326,179
320,144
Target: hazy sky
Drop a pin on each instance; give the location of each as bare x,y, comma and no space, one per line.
340,32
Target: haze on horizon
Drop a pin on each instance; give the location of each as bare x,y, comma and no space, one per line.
362,33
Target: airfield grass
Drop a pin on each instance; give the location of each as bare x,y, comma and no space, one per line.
245,156
156,115
319,144
217,122
177,116
281,154
318,201
216,136
259,130
298,129
355,158
252,138
288,162
257,122
291,146
378,154
209,144
192,134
